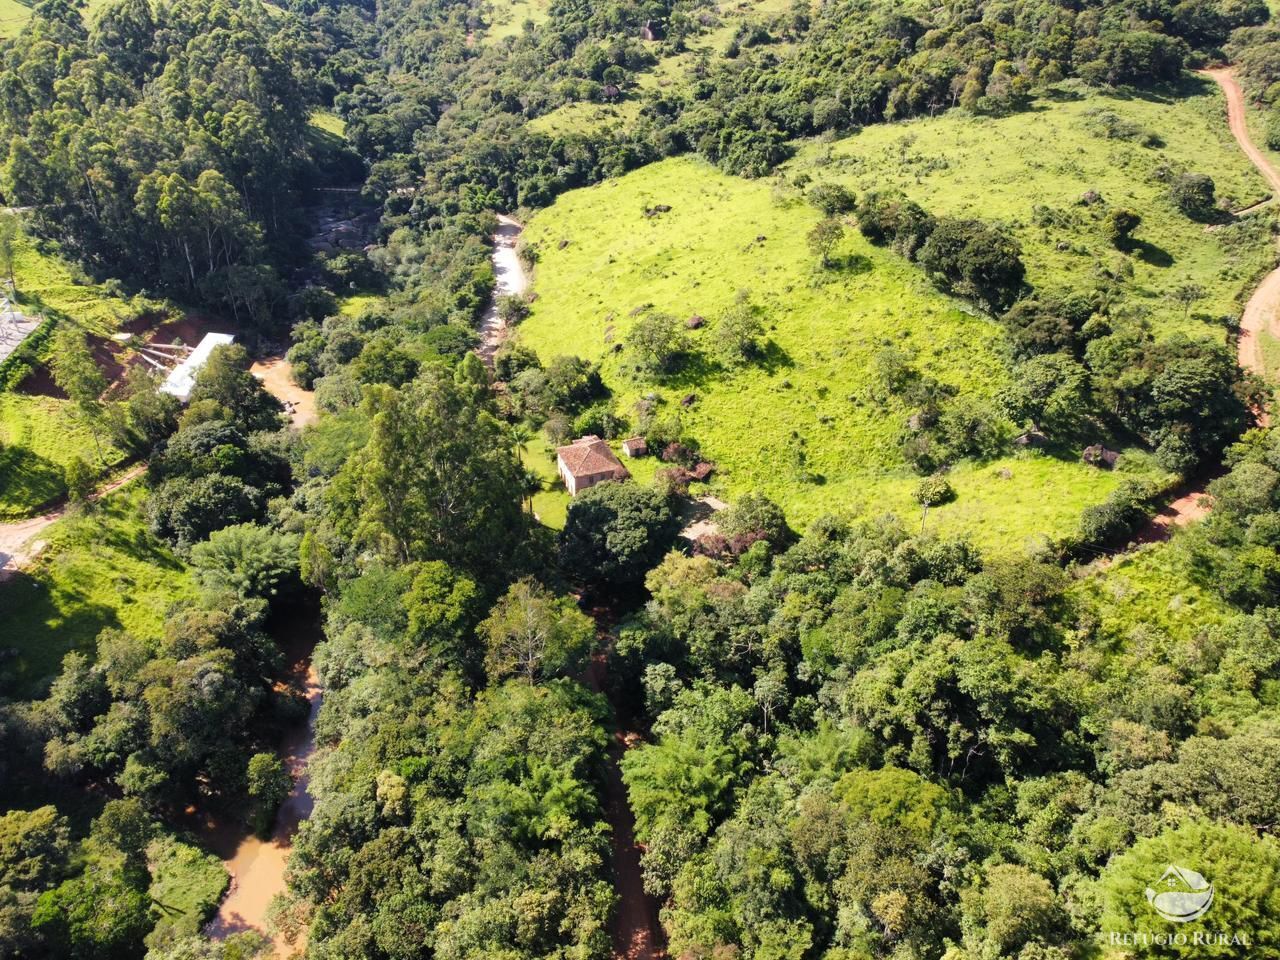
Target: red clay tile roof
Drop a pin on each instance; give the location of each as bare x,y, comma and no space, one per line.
589,457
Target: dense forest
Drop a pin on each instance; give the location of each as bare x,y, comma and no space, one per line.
860,741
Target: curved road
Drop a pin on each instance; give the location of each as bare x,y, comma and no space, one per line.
16,539
1262,312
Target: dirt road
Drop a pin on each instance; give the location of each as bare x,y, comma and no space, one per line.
637,934
1262,312
511,281
18,544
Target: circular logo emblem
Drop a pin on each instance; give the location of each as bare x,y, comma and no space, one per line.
1184,895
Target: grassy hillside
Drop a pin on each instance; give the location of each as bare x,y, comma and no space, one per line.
49,285
806,411
1048,157
15,13
506,18
721,22
100,569
1152,588
39,436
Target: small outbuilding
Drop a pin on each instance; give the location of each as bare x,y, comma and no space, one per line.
586,462
635,447
182,378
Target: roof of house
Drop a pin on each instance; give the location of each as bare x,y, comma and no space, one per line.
590,456
634,443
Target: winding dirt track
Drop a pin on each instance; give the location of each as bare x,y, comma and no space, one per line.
17,547
1262,312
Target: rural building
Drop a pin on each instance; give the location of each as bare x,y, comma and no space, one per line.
586,462
635,447
182,378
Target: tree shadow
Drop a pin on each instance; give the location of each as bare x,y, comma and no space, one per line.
1149,253
42,628
28,480
773,358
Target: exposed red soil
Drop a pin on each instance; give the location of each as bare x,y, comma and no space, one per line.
1262,312
277,376
637,933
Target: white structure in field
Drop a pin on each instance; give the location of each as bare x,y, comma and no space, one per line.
183,377
15,326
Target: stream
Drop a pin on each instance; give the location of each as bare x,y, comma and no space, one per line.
257,866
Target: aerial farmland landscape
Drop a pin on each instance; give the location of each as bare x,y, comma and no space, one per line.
665,480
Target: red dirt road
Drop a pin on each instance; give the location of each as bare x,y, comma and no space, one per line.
17,540
1262,312
637,934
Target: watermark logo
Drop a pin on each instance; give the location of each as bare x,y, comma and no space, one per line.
1183,895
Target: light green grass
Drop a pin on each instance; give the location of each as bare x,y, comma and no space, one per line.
507,17
551,503
357,303
998,169
586,118
186,887
826,330
39,436
1152,587
12,17
1270,347
329,122
670,71
100,569
49,285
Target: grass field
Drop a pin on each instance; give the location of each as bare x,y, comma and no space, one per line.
14,14
49,285
329,122
1152,587
805,412
39,436
671,70
1002,168
358,303
100,569
186,887
507,17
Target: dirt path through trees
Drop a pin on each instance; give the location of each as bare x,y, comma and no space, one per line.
637,934
511,280
18,544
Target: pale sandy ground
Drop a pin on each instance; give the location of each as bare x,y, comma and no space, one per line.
275,374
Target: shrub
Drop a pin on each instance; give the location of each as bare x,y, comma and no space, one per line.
934,491
1193,194
832,199
1120,225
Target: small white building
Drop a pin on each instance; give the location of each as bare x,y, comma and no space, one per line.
182,378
